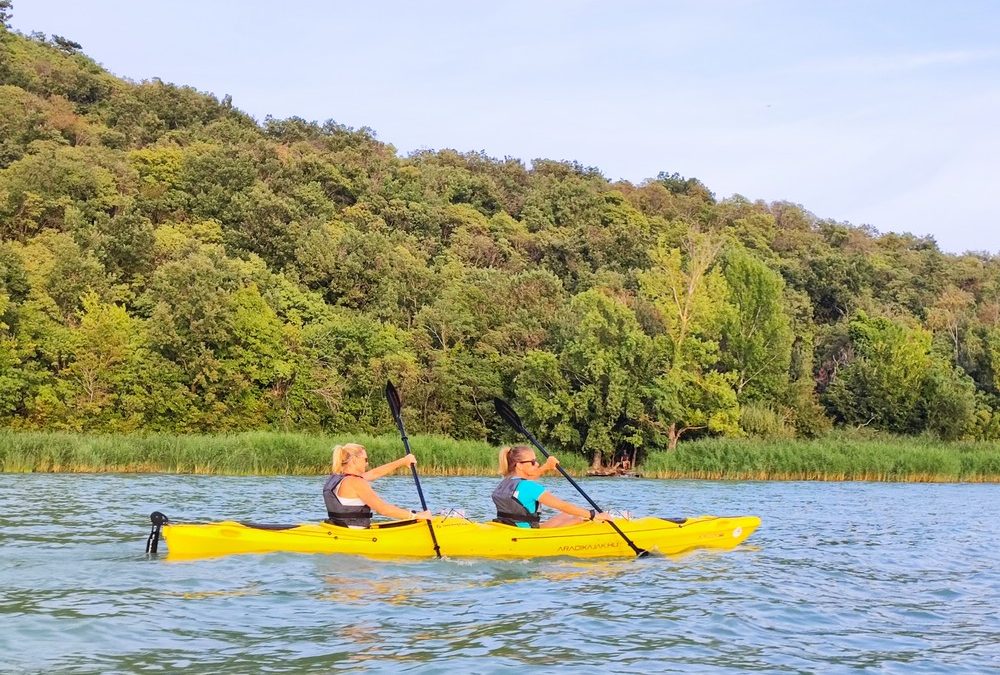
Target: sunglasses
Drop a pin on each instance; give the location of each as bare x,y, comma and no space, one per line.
528,461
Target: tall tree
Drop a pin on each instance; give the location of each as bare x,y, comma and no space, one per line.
6,12
881,384
894,382
591,394
690,294
756,334
950,314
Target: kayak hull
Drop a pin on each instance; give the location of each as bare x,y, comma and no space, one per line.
460,538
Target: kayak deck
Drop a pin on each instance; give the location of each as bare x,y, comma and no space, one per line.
458,537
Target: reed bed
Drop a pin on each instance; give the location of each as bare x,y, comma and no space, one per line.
835,458
250,453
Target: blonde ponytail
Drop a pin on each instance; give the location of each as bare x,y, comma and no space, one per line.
504,460
342,454
509,455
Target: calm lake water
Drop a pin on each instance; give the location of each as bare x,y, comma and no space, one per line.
840,576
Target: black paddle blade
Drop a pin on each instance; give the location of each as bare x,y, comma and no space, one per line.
395,405
507,413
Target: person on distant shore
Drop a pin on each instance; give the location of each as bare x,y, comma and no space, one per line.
519,498
350,499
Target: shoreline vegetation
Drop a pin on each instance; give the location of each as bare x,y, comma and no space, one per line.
836,457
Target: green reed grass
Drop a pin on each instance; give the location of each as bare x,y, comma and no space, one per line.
250,453
834,457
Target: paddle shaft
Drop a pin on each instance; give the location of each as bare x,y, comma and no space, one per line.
397,415
413,469
534,441
420,491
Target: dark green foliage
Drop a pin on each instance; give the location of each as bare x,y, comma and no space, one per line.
13,278
65,44
24,118
949,402
679,185
124,243
47,69
6,12
894,382
591,390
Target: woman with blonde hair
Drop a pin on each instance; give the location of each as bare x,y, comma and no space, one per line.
349,497
519,497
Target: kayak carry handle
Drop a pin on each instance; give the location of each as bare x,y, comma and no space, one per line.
158,520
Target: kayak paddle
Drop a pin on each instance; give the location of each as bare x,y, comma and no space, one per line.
396,406
507,413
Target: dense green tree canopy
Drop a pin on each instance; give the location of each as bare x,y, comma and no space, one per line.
166,262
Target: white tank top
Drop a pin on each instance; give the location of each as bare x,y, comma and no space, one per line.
348,501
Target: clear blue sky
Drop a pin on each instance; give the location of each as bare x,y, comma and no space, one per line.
873,112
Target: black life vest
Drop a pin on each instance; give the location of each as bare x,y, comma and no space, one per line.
509,510
341,514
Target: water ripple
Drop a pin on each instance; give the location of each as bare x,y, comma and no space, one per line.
840,577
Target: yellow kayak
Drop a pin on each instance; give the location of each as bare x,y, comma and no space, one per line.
458,537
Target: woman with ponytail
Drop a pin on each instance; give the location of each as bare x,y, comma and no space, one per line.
519,497
349,497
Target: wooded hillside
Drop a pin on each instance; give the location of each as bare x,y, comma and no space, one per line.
168,263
